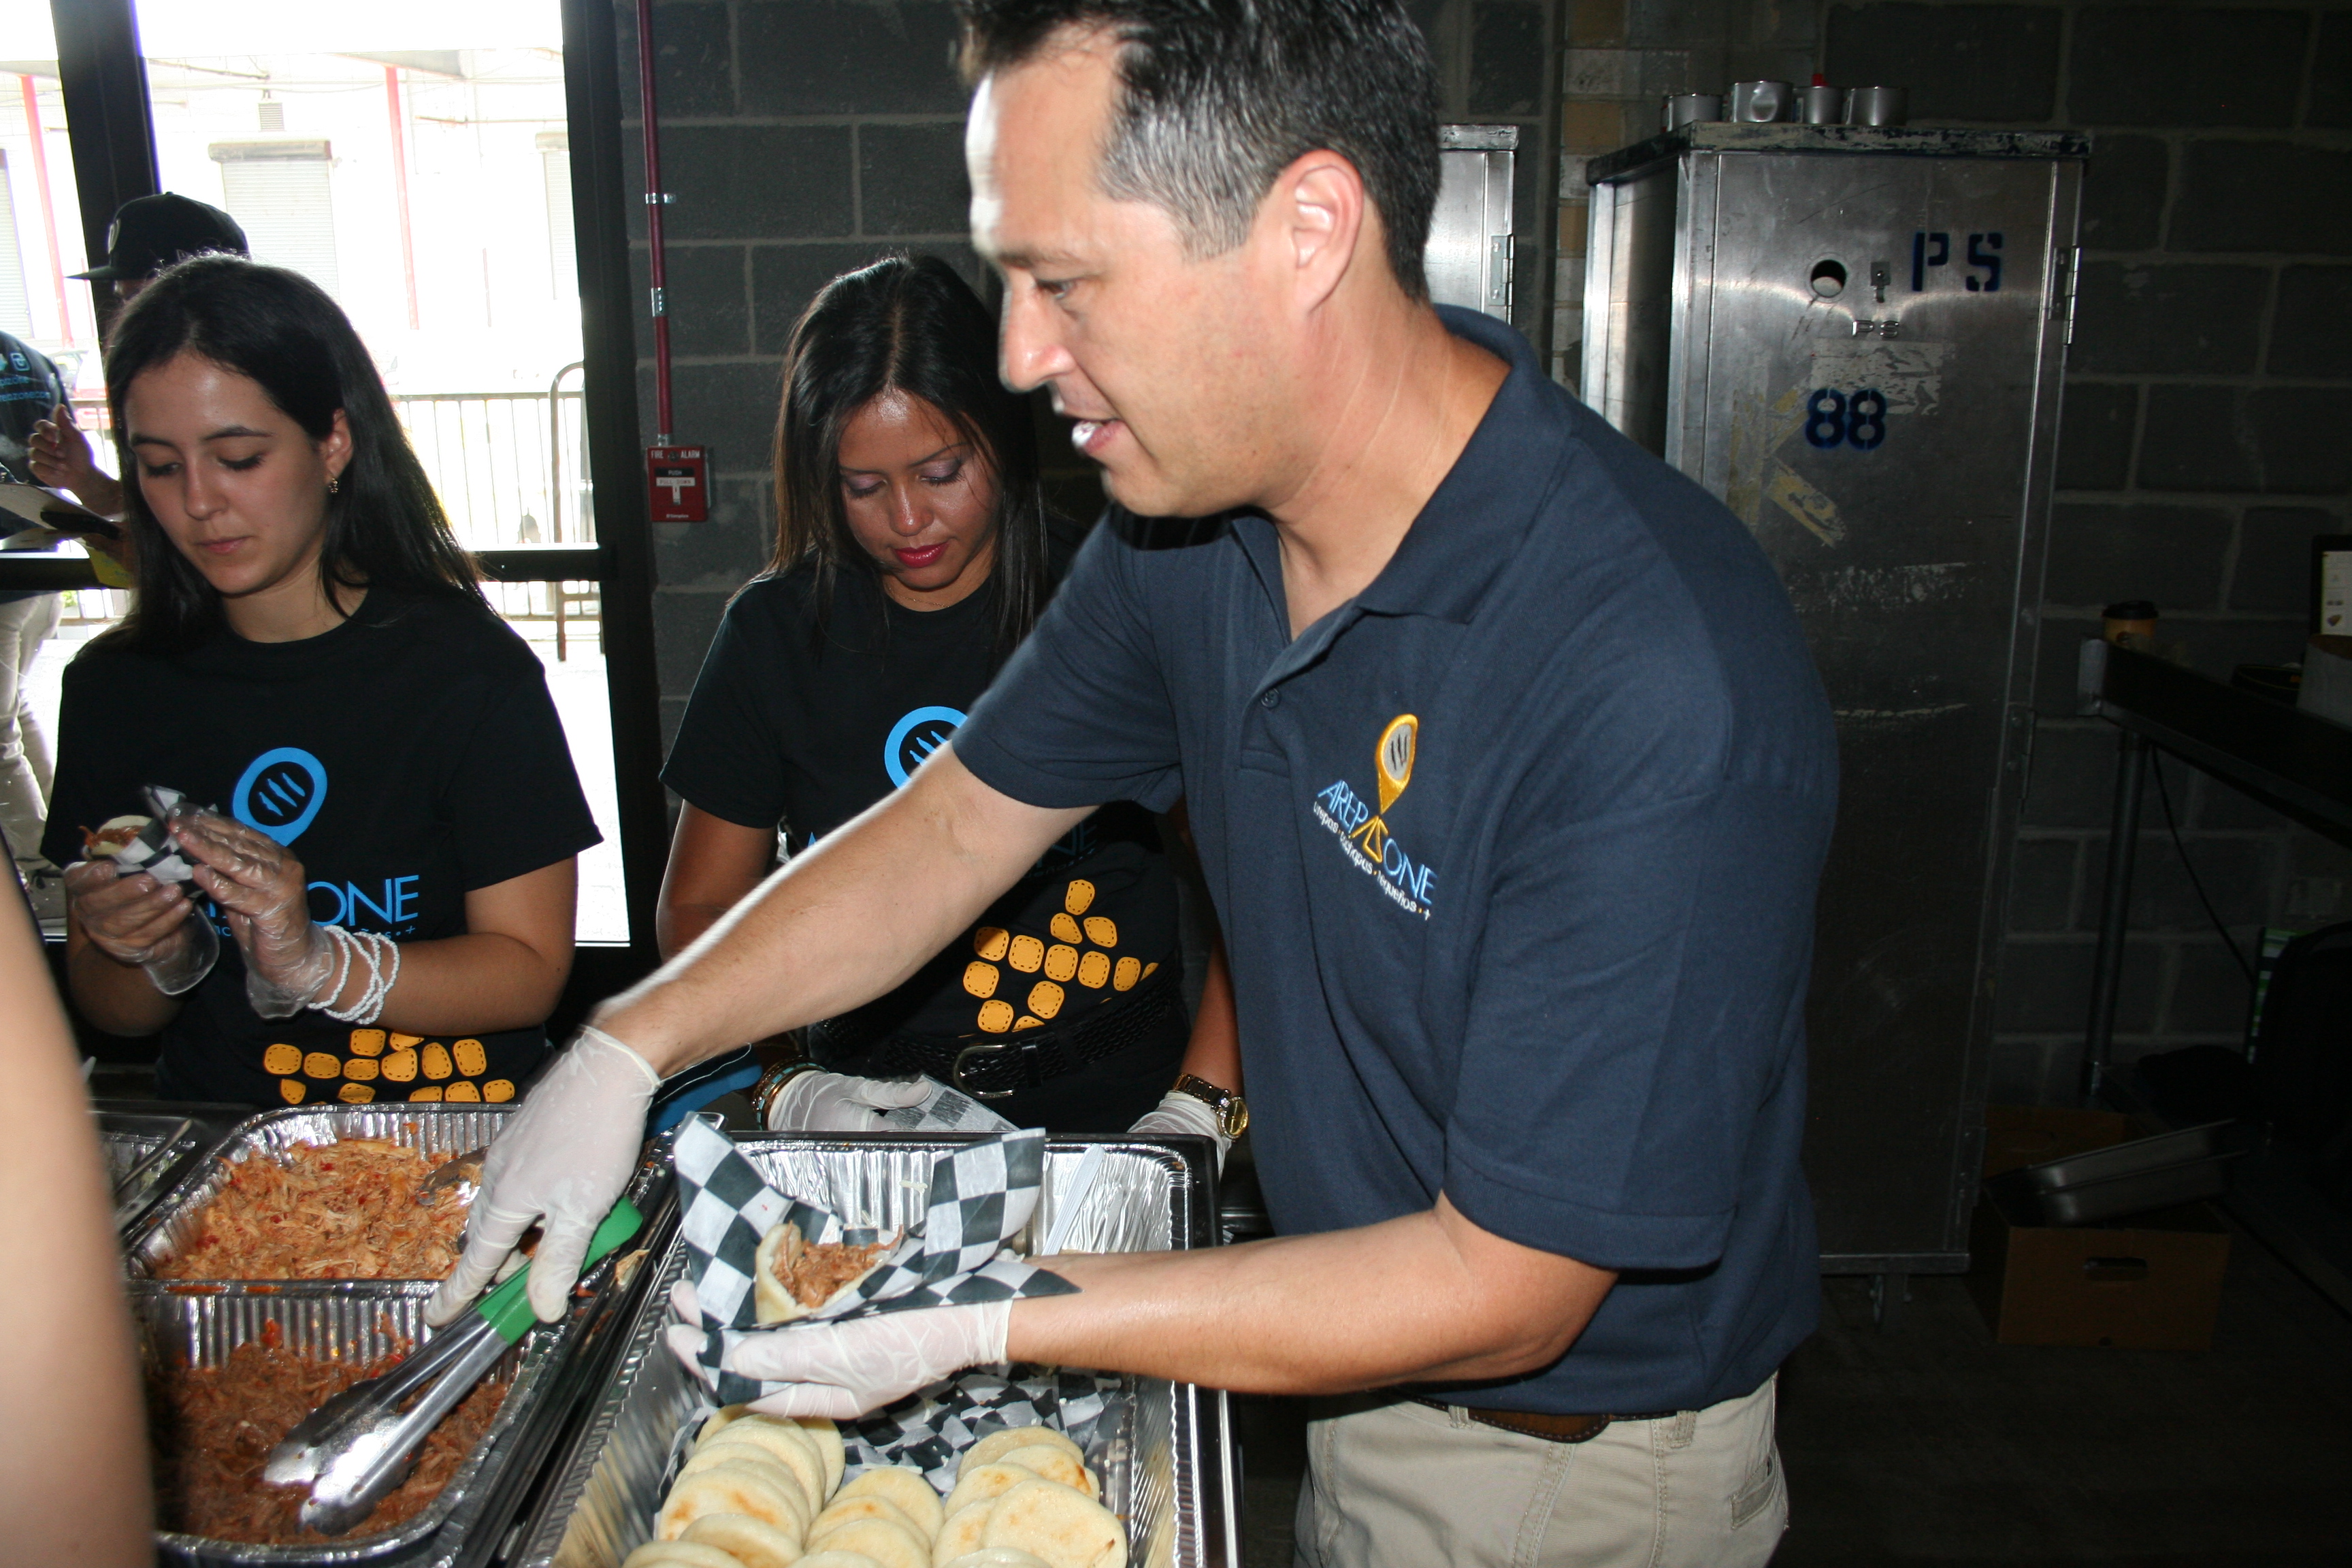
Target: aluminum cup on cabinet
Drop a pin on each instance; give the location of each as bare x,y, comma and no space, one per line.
1821,105
1688,108
1878,106
1762,102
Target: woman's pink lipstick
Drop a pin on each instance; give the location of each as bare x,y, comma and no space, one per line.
921,557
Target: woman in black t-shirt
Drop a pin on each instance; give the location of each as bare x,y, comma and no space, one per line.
911,558
389,858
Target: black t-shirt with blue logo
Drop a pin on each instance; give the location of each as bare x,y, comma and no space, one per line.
792,730
406,758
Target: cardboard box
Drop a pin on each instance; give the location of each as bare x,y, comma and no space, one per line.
2152,1282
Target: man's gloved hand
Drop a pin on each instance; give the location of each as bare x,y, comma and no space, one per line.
837,1102
261,888
845,1370
1182,1115
561,1160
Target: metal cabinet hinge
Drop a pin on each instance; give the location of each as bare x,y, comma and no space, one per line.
1501,251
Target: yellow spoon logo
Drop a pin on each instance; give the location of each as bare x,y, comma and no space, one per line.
1394,757
1393,760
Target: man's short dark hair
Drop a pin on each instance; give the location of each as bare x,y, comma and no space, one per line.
1218,97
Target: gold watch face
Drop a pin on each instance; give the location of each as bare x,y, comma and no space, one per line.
1236,1116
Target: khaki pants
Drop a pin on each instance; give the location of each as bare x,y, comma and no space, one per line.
1405,1486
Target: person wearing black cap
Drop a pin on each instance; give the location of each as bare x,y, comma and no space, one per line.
148,234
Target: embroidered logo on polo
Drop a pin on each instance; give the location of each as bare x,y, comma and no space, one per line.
915,738
1363,833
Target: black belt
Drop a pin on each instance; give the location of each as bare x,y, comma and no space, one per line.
997,1067
1551,1428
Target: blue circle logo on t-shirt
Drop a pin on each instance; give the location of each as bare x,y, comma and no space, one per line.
915,737
281,792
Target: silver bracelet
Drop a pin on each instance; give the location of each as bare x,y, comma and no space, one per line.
370,946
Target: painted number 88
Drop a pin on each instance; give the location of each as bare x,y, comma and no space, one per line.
1834,419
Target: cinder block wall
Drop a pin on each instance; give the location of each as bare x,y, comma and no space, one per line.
801,138
2208,434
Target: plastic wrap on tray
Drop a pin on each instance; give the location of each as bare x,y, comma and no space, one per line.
144,1154
1161,1448
439,1132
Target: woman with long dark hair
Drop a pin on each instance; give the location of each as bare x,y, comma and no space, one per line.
392,821
912,557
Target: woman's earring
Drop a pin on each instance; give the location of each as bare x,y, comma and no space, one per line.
335,487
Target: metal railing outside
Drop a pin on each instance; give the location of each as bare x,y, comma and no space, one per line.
510,468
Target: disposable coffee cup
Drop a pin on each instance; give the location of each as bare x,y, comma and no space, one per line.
1686,109
1878,106
1821,105
1762,102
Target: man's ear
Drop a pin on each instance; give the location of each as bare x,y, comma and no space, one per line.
1319,204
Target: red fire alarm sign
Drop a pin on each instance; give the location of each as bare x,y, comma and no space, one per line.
681,479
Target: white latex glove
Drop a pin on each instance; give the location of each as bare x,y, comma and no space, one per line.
843,1370
1185,1115
837,1102
561,1162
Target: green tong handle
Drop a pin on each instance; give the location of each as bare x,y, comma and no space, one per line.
509,1315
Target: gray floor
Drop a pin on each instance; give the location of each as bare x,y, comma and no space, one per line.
1932,1445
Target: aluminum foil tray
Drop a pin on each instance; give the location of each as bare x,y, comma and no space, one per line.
443,1132
1175,1481
357,1320
202,1321
143,1156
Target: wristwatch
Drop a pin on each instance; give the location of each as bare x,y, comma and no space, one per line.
764,1093
1233,1110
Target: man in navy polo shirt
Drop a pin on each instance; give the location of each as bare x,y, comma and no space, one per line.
1511,775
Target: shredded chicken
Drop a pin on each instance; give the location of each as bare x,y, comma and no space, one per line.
114,836
333,1211
213,1427
812,1271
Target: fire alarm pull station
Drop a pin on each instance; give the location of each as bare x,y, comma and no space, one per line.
681,479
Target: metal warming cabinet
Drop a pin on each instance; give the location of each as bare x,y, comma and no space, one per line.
1854,337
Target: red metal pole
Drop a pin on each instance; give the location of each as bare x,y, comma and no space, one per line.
654,197
400,187
48,209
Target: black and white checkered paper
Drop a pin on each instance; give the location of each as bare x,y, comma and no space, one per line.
981,1196
155,851
932,1429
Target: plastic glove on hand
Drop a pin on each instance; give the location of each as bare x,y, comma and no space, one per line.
262,891
837,1102
1185,1115
131,920
843,1370
561,1162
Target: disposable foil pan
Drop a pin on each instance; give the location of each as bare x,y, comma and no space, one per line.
443,1132
354,1321
144,1154
202,1321
1177,1487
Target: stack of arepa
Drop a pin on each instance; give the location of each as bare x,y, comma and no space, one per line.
763,1491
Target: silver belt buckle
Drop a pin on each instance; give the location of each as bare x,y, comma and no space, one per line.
956,1072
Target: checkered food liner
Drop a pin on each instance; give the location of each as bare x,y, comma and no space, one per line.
155,851
981,1196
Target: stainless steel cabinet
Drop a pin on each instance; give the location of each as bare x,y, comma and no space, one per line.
1468,257
1854,337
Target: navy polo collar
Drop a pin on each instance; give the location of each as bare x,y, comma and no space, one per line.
1473,525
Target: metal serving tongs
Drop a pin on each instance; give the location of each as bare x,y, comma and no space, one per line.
355,1449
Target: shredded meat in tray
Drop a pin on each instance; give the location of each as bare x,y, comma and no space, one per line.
814,1270
333,1211
212,1428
